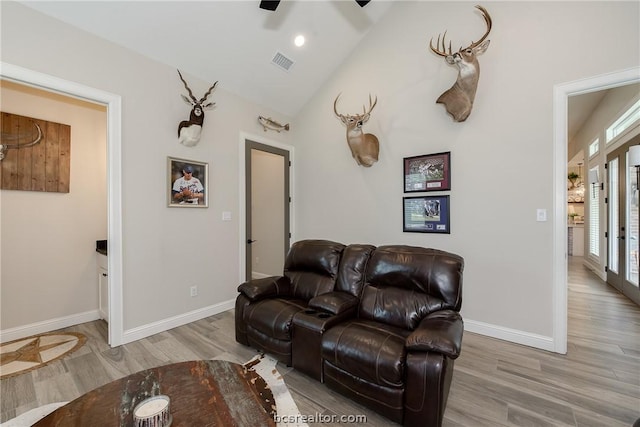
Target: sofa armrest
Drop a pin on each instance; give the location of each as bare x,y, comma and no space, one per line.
440,331
334,302
266,287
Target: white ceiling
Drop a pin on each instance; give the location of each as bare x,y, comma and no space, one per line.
580,108
232,42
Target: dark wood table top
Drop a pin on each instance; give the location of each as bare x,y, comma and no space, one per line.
202,392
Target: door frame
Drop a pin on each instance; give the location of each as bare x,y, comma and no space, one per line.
251,145
561,93
242,213
113,103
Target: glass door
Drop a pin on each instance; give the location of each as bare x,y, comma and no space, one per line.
615,231
623,230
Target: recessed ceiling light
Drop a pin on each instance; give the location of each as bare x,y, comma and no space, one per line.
299,40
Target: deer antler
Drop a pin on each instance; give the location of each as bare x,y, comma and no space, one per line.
371,106
16,137
5,147
335,110
438,51
488,21
193,98
206,95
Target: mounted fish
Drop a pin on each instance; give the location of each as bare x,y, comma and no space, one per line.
458,100
269,123
364,146
189,130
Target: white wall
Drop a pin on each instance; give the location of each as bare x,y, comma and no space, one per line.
48,255
502,156
165,250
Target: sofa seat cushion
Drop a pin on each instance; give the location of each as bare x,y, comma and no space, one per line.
368,350
273,317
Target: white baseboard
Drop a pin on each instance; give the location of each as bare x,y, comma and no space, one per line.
595,268
145,331
256,275
47,326
512,335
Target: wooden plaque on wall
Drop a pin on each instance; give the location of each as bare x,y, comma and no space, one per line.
44,166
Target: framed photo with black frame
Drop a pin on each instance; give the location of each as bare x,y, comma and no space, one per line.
426,214
187,183
429,172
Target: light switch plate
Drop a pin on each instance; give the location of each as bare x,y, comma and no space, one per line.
541,215
226,216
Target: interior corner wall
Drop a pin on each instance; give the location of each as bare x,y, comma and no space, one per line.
48,257
502,156
166,250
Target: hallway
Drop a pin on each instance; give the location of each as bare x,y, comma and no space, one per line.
599,313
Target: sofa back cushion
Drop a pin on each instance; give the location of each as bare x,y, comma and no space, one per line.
352,268
403,284
312,267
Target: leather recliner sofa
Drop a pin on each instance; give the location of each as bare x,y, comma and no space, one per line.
378,324
265,307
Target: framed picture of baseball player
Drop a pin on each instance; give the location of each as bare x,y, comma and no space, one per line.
187,183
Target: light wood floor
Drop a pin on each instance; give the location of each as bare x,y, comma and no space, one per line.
495,383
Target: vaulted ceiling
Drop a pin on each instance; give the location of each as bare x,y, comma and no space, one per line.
233,42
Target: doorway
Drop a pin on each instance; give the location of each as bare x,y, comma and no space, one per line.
561,94
267,209
622,222
114,181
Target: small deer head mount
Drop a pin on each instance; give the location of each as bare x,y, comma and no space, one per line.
189,130
364,146
459,99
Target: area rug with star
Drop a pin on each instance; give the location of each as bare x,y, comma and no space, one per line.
26,354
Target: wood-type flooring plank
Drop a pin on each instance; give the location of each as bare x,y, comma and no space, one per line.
495,383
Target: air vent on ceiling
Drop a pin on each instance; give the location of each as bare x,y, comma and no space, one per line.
282,61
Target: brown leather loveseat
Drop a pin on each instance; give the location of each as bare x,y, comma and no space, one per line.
378,324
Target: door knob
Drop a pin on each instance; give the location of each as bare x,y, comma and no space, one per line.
249,241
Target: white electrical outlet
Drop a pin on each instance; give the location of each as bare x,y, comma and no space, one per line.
194,291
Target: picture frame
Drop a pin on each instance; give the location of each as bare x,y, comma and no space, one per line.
426,214
181,193
428,172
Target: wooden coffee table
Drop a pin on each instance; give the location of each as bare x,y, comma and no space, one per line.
202,392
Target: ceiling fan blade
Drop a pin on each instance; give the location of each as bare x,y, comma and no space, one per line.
362,3
269,5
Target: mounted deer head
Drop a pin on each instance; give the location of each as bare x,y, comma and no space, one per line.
189,130
459,99
364,146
